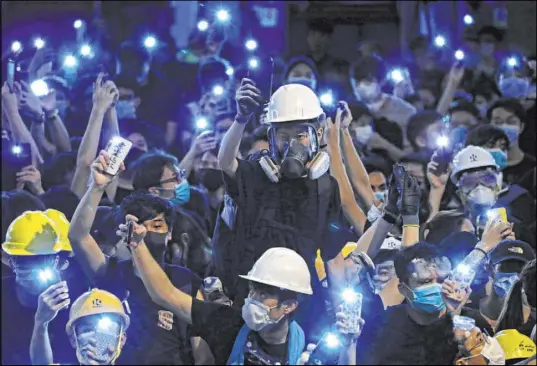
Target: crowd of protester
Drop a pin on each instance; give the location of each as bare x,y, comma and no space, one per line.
248,205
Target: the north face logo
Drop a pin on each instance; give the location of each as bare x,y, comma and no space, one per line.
473,158
516,250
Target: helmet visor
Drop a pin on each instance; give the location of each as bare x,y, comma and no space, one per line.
283,135
99,335
470,180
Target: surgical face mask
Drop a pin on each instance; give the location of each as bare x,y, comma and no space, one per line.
482,195
499,156
181,194
363,134
511,131
428,298
381,195
256,315
211,179
366,92
514,87
309,82
503,283
104,331
487,48
373,214
156,243
493,351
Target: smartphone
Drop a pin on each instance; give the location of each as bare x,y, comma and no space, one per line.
10,74
463,322
443,158
462,276
497,214
327,350
130,231
352,308
16,156
399,173
263,76
118,148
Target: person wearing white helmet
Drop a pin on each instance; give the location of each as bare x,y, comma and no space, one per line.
262,332
284,196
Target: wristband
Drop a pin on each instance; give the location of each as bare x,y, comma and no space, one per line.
410,225
482,251
242,119
50,115
409,220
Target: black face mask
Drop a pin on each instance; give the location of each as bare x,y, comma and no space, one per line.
211,178
294,163
156,243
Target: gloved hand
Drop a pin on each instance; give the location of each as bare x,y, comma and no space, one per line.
248,98
409,201
390,208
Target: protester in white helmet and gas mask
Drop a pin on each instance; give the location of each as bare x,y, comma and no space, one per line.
284,196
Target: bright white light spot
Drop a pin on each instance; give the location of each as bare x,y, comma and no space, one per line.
468,19
459,55
85,50
440,41
463,269
201,123
230,71
19,68
222,15
218,90
397,75
349,295
512,61
116,140
442,141
39,43
326,98
251,44
253,63
150,42
332,340
45,275
104,322
77,24
39,88
203,25
491,214
16,150
16,46
70,61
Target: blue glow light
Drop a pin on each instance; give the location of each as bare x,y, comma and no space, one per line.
39,88
45,275
203,25
16,46
251,44
202,123
16,150
327,99
85,50
442,141
39,43
230,71
397,75
70,61
439,41
459,55
150,42
222,15
512,61
332,340
218,90
468,19
349,295
253,63
104,322
77,24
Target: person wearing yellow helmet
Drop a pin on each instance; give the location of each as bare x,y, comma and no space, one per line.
516,346
96,329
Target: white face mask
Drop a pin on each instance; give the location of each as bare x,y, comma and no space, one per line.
373,214
363,134
482,195
256,315
493,352
366,92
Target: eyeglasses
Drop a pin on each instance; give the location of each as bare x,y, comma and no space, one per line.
469,181
178,177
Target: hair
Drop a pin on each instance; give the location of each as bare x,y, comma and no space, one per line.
321,25
511,105
214,69
57,167
146,206
405,256
377,164
464,105
359,109
14,204
487,88
149,167
493,31
300,60
416,158
260,134
418,123
442,225
484,134
512,316
384,255
369,67
418,42
129,50
61,198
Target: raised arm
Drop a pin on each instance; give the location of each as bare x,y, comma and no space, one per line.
454,78
409,206
111,129
87,251
438,186
58,132
248,99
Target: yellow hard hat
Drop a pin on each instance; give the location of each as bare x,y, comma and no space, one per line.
515,345
95,302
62,226
32,233
319,263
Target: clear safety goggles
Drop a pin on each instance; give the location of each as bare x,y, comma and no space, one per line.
100,333
470,180
281,136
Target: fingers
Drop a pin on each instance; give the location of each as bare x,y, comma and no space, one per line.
52,288
246,81
131,218
62,305
99,81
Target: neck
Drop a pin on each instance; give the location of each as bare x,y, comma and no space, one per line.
515,155
526,311
276,334
424,318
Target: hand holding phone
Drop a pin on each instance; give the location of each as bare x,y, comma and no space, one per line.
130,231
11,74
117,148
399,172
442,158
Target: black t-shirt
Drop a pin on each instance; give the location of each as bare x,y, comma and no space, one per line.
302,214
18,321
513,174
155,335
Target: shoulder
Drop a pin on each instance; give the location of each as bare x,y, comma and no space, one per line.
402,106
181,276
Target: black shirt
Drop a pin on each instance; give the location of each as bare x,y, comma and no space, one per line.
513,174
18,321
155,335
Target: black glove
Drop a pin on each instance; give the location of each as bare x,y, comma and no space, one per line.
248,98
409,201
391,211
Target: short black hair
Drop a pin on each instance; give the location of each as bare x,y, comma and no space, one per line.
300,60
418,123
416,158
510,104
442,225
260,134
149,167
491,30
487,88
129,50
321,25
529,283
369,67
57,167
483,134
213,70
464,106
14,204
61,198
146,206
405,256
359,109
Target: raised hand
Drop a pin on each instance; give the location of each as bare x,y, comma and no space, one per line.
30,176
204,142
101,179
104,95
29,102
409,201
437,181
139,231
391,207
494,234
248,98
51,301
9,99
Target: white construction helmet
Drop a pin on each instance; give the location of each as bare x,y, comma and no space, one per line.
471,157
293,102
282,268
